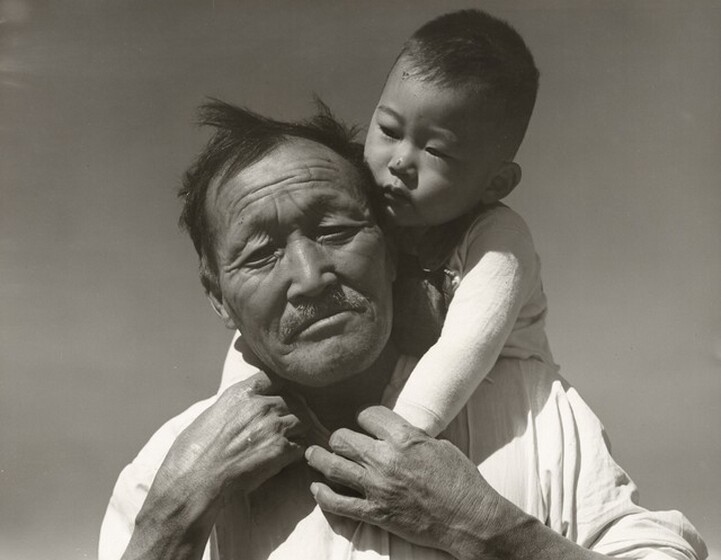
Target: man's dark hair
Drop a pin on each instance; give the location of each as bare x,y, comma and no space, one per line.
242,138
473,50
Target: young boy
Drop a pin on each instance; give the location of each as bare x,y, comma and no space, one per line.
441,144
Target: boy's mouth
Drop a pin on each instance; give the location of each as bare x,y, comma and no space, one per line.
395,194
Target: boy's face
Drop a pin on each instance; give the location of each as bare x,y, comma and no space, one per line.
432,149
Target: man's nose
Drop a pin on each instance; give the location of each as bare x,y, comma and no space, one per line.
310,269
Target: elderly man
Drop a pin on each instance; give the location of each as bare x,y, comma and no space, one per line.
292,254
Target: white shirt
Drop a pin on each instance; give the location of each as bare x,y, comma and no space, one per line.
533,438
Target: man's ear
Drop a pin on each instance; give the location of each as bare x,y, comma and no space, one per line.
215,296
220,311
502,183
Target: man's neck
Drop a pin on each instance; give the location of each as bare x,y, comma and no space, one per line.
336,406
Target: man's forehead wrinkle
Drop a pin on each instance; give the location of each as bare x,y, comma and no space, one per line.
285,189
256,186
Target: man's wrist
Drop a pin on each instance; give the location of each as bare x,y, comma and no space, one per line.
174,522
512,534
495,530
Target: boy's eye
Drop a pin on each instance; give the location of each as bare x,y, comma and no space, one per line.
389,132
435,152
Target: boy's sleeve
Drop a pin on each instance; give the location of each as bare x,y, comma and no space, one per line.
500,271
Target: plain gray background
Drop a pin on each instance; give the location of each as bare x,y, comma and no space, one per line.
105,332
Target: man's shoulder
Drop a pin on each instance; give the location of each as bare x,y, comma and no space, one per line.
154,451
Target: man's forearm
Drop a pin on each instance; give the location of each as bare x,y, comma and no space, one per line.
172,525
516,536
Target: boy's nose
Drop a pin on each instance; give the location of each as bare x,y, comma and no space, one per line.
309,268
402,161
397,165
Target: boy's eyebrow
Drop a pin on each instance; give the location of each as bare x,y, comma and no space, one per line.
389,111
445,134
448,136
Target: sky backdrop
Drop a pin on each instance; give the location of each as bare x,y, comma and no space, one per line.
105,332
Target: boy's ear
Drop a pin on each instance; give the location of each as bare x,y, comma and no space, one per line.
503,182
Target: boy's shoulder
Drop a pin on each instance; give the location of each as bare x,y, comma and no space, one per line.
441,242
493,229
496,217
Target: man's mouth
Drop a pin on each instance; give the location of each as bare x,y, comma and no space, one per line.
321,326
314,317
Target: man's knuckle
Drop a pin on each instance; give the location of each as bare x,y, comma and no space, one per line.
338,438
409,437
255,385
334,472
281,446
381,514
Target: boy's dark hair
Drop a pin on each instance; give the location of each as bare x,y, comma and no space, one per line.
242,138
472,49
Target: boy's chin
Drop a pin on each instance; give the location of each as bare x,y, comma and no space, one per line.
402,216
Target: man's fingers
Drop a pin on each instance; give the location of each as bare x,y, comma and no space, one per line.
294,426
345,506
263,384
351,445
260,383
336,468
382,422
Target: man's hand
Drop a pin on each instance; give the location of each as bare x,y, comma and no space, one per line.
419,488
246,437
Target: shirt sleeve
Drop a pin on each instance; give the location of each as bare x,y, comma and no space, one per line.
590,499
500,271
134,482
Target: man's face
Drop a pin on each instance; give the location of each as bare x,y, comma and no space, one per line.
303,269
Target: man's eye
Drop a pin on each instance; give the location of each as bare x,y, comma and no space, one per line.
260,257
336,234
389,132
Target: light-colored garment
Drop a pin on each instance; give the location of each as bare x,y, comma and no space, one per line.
498,309
533,439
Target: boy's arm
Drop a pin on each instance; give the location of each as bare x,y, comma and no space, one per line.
500,270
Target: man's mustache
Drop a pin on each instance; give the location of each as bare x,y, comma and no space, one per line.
333,301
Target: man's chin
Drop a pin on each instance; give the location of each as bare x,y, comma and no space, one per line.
329,361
